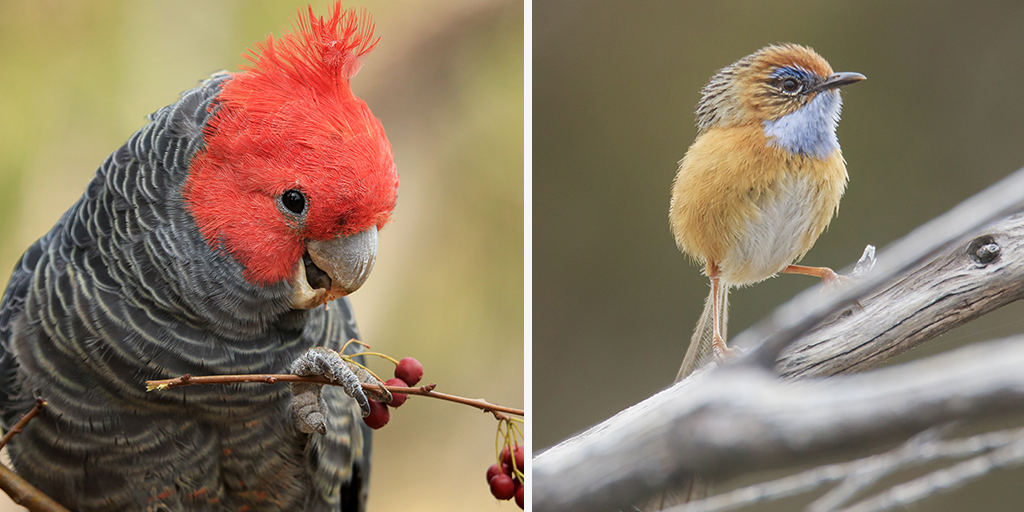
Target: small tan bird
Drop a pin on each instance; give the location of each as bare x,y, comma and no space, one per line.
762,180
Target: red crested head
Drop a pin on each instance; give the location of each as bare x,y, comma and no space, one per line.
291,155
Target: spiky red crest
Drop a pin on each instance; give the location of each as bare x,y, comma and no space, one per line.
290,121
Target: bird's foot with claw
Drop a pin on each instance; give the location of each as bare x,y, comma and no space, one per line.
307,403
833,280
722,353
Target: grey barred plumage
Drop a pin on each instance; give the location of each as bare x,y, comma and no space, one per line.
125,289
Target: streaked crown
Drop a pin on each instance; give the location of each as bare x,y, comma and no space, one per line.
788,88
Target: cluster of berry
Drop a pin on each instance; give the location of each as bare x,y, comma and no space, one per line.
507,477
408,372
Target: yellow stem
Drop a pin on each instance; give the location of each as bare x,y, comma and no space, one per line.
378,354
350,341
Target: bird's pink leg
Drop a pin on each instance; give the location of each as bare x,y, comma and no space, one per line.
827,275
721,352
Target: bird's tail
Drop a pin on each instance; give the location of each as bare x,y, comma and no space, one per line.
694,489
700,351
700,344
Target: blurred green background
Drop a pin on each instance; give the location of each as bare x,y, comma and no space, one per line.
940,117
78,78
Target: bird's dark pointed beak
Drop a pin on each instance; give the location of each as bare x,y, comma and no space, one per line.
836,80
333,268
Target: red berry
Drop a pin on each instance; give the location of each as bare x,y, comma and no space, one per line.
378,417
506,469
520,454
502,487
521,495
410,370
397,399
493,471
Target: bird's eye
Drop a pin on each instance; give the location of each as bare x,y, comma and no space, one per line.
294,201
790,85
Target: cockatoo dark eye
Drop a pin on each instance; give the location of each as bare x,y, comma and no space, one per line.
294,201
790,85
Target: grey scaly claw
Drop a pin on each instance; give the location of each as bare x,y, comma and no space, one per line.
379,394
307,403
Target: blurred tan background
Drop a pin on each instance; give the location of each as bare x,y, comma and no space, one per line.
940,117
78,78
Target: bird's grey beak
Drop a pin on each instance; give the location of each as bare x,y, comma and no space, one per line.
333,268
840,79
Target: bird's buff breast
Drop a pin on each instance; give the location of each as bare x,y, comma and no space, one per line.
752,210
788,221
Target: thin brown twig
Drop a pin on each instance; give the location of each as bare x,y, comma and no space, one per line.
427,390
25,418
24,494
20,491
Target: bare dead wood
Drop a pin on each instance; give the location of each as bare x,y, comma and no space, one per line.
983,452
726,421
949,291
736,420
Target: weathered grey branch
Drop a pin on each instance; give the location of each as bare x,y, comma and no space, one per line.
739,419
1012,454
861,473
948,291
726,421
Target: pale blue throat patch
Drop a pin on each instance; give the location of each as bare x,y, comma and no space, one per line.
810,131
